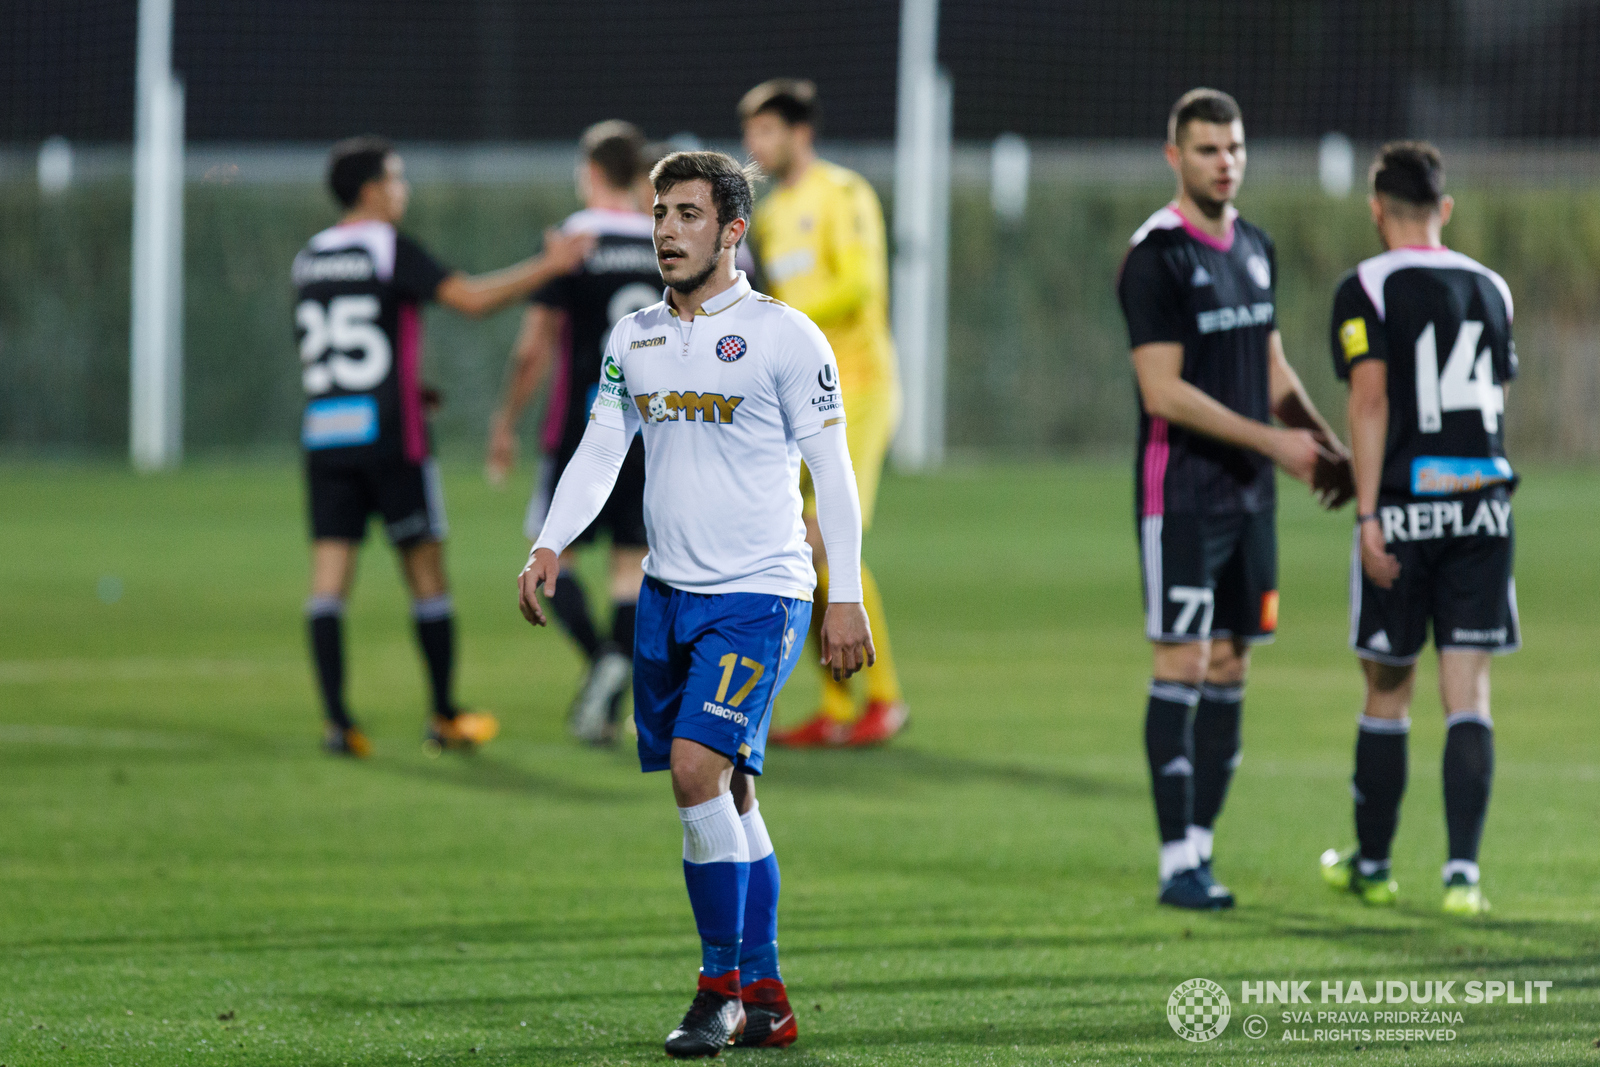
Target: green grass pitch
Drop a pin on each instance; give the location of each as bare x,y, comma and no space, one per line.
184,878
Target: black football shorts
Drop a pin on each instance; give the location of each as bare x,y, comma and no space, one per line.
1455,573
1210,576
623,514
407,496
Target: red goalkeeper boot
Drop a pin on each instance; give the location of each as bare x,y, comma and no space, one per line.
819,731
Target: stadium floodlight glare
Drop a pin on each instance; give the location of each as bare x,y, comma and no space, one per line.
155,422
1336,165
55,165
1009,163
921,234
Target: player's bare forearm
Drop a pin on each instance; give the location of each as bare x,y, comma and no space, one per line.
480,294
1332,481
1369,429
531,357
1159,368
1290,402
1165,395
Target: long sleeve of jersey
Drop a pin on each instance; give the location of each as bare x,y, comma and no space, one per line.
585,485
838,510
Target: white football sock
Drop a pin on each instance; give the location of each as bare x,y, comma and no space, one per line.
755,833
1200,838
1176,857
712,832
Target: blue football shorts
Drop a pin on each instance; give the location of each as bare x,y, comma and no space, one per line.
708,667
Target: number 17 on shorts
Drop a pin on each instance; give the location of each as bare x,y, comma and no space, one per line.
708,667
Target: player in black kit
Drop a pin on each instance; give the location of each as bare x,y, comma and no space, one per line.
565,329
360,289
1197,289
1423,335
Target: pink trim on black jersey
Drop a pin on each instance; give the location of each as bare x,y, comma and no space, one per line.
1156,451
555,415
413,430
1223,244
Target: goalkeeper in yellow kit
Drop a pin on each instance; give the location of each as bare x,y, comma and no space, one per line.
819,240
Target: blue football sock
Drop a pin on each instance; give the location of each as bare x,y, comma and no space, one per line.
716,869
758,956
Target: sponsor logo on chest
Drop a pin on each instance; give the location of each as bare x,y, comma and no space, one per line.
673,406
1234,318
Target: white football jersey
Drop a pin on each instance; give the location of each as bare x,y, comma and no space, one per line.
721,400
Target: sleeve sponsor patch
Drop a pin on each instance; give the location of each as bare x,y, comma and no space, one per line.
612,394
1353,336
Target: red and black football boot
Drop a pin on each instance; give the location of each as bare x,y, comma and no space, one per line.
715,1019
769,1021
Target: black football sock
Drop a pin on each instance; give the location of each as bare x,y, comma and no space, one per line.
1378,785
572,608
1468,774
622,627
325,616
436,635
1169,748
1216,749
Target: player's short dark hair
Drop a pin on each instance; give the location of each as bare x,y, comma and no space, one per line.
731,181
1411,172
794,100
353,163
614,146
1201,105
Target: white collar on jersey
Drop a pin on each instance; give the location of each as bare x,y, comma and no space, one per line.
719,303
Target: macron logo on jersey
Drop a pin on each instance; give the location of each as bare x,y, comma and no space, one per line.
1235,318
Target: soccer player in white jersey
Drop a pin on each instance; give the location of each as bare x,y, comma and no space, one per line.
730,389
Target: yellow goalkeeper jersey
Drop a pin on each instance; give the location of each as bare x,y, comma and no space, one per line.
822,248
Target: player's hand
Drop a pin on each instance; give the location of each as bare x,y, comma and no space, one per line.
847,640
541,570
1297,452
1334,481
502,455
1380,566
566,251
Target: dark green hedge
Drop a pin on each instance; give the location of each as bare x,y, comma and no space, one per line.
1037,349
